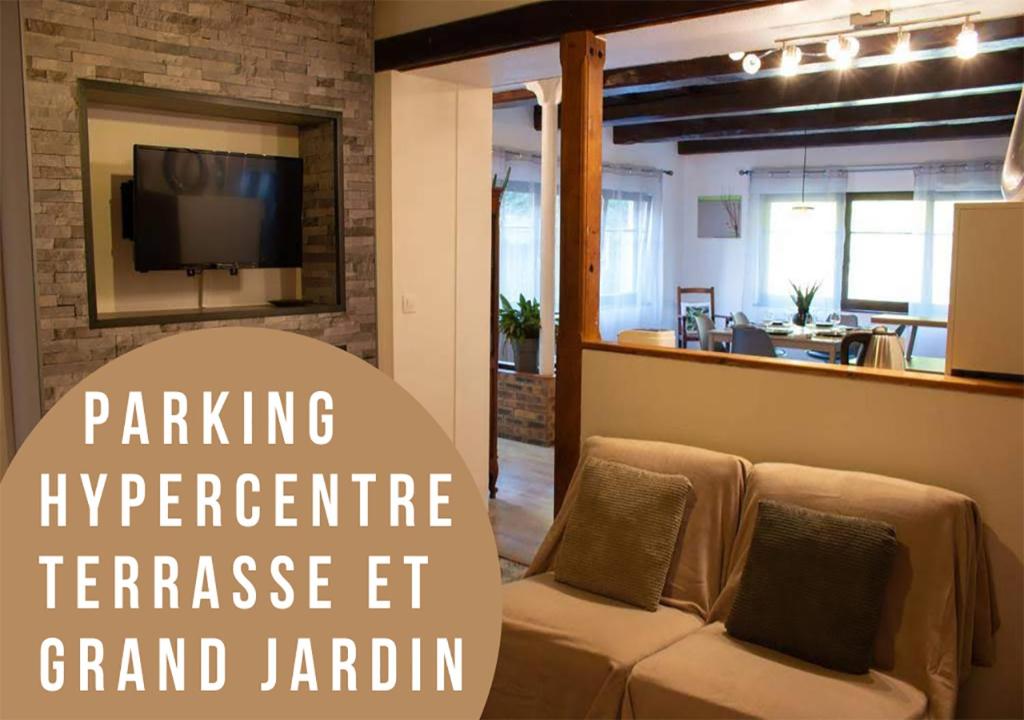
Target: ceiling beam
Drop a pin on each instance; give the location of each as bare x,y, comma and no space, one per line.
944,109
848,137
919,80
537,23
516,97
928,43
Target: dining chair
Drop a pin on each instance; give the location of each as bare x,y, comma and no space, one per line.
750,340
740,318
707,300
880,348
704,327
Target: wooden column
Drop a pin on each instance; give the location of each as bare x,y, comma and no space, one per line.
582,56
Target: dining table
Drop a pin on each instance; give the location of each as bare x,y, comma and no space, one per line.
825,339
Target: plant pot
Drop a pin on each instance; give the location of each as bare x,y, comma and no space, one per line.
802,318
526,354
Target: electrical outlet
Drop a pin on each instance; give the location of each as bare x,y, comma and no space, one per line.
408,304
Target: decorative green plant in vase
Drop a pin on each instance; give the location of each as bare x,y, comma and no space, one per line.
521,325
802,297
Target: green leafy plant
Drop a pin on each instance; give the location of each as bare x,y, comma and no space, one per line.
802,297
521,321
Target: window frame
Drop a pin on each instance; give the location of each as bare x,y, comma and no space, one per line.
857,304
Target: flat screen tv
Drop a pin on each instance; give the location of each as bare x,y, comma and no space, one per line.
197,209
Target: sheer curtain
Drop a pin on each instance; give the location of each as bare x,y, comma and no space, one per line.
939,187
787,244
632,255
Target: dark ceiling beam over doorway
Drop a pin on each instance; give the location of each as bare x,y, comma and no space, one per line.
858,116
537,23
849,137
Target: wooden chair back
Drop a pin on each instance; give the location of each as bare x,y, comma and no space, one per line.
685,335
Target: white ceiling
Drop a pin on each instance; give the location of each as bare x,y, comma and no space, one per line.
715,35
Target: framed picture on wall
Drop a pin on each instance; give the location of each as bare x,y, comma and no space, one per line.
718,216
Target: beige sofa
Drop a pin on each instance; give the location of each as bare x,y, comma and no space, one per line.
568,653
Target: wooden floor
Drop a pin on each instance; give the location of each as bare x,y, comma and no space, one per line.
522,511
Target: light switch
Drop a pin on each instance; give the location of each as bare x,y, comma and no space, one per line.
408,304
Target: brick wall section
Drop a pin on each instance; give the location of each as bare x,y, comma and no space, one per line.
319,250
526,407
294,52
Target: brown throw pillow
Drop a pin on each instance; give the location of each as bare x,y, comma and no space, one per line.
622,532
813,585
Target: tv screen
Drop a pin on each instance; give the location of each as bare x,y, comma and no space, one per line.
204,209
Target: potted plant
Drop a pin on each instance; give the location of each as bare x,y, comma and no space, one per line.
521,325
802,297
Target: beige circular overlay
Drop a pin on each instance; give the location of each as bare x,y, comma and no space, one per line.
348,544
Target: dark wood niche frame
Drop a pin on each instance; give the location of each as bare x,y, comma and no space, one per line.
137,97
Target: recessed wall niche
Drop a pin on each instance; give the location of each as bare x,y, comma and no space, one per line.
115,118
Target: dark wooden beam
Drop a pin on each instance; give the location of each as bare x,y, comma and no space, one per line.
924,111
582,57
931,78
514,98
848,137
716,69
537,23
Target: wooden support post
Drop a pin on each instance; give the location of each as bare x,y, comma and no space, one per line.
582,56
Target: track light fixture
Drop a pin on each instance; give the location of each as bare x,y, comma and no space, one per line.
791,55
751,64
967,41
901,51
842,48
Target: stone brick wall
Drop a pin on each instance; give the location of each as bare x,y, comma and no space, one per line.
319,250
526,407
294,52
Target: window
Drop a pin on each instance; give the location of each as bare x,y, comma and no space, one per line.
899,250
884,252
622,221
519,265
800,248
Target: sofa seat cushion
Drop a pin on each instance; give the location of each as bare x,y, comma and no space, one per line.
709,674
567,653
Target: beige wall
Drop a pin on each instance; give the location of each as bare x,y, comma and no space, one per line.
433,141
394,17
970,443
112,134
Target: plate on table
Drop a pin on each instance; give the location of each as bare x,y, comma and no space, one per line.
831,332
824,325
778,330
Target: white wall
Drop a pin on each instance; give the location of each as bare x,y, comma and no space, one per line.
691,261
433,158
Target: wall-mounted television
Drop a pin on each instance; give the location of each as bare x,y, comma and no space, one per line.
196,209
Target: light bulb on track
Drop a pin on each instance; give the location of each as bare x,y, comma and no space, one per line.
843,49
901,52
751,64
967,41
736,55
791,55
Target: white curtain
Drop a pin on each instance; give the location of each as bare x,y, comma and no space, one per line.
788,242
632,255
940,186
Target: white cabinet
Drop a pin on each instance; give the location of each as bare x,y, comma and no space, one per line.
986,298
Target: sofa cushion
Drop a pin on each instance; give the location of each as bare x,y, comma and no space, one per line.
567,653
813,585
709,674
622,532
698,569
939,601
